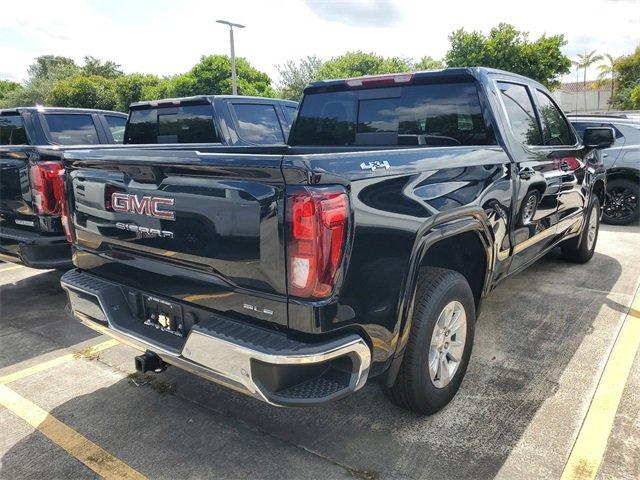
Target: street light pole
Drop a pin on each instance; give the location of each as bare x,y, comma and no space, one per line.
234,83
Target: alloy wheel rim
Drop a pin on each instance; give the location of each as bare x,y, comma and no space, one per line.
592,228
447,344
529,209
622,203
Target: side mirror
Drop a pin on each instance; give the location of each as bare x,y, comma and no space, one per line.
598,137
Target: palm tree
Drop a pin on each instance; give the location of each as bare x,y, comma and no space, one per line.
584,61
609,69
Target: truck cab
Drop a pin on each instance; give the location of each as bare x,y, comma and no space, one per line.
211,119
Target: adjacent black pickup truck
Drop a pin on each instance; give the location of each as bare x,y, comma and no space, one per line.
211,119
361,249
31,143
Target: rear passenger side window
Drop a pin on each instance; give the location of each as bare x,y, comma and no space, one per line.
12,130
71,129
258,124
116,126
555,129
521,113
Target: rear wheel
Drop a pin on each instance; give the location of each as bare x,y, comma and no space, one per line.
622,206
439,345
580,249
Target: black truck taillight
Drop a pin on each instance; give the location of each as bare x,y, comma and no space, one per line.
48,187
317,220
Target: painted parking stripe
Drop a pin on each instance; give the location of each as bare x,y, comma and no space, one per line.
588,449
12,267
77,445
41,367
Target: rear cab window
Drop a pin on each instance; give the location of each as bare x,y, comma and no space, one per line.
429,115
258,123
12,130
190,123
71,129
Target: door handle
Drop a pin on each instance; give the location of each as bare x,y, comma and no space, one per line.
526,173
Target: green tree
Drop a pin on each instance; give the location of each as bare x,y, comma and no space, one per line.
136,87
95,66
509,49
584,61
357,64
52,67
608,70
43,73
627,80
212,76
93,91
428,63
295,75
7,86
634,97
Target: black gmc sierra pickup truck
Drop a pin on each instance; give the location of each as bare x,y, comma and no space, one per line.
361,249
31,143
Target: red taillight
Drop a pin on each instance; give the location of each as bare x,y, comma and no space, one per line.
48,187
317,227
49,196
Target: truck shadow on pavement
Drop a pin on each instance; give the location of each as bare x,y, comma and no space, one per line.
529,330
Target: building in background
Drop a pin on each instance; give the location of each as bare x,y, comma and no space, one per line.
574,97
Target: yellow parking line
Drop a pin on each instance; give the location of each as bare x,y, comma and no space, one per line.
77,445
41,367
588,450
13,267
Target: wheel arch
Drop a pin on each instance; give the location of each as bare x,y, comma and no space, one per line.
467,229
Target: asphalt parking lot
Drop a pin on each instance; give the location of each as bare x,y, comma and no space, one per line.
546,395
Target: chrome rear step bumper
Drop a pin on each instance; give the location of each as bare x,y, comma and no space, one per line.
264,364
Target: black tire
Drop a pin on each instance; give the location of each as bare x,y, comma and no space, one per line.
579,249
623,202
414,388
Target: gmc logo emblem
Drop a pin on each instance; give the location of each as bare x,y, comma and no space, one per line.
147,205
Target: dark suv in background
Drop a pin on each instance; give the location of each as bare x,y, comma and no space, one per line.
622,162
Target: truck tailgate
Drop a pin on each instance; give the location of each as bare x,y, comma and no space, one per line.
206,228
15,195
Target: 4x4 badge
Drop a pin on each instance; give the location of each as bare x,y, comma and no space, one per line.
373,165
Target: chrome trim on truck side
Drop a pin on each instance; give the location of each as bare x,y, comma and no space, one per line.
206,353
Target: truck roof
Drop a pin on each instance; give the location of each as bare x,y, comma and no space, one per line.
40,108
205,98
455,72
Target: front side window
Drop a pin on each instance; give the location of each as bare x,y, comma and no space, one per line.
116,126
12,131
71,129
555,129
446,114
522,116
258,123
183,124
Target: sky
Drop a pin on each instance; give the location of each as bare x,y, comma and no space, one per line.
169,36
